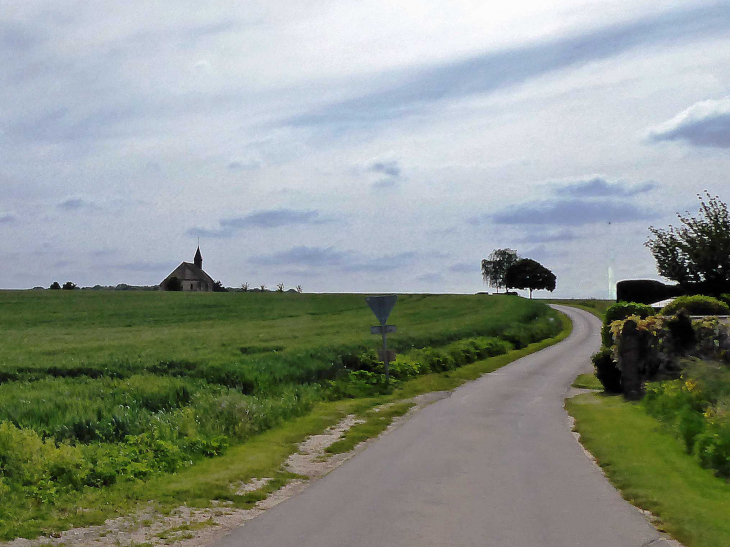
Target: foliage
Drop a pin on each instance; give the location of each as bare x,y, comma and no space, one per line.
218,287
607,370
697,251
55,286
529,274
279,287
696,407
646,291
174,284
651,468
622,310
494,268
244,287
69,286
299,289
697,305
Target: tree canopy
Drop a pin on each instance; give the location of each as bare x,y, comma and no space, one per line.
696,253
529,274
494,268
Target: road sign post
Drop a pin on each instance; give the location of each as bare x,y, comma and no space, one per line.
382,306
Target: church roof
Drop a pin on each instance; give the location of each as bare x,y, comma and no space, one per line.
198,257
190,272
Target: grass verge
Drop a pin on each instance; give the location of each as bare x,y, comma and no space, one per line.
596,307
376,421
587,381
652,469
263,455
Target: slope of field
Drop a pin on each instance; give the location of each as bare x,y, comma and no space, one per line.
102,388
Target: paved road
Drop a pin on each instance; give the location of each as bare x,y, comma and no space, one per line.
495,464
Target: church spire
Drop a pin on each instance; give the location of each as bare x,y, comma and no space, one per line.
198,260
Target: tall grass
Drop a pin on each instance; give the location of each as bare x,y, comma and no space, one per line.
104,387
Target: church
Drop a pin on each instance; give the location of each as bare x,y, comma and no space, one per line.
191,276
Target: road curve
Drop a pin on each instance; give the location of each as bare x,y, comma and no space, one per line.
495,464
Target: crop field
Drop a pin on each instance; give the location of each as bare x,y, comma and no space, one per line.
103,388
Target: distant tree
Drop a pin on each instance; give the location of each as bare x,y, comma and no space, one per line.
494,268
69,286
697,254
244,287
55,286
262,287
299,289
174,284
529,274
279,287
218,287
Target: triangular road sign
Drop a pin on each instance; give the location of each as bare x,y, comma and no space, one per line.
381,306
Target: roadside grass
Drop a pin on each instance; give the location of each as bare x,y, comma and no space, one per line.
263,455
594,306
588,381
652,469
376,421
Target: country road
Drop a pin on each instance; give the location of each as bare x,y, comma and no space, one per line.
495,464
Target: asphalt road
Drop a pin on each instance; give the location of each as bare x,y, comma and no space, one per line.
495,464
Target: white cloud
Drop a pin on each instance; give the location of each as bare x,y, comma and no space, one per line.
705,124
115,105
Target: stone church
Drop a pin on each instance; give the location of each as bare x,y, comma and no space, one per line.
192,276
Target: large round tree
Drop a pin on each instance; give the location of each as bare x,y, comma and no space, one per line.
696,254
529,274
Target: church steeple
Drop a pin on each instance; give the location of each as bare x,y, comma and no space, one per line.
198,260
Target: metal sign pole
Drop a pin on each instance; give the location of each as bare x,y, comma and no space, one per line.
382,306
385,355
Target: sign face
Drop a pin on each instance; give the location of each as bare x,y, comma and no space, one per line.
381,306
389,353
378,329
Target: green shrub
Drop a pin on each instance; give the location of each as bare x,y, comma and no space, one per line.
713,447
697,305
607,370
619,311
725,298
696,407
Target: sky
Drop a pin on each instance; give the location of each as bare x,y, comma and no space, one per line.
350,146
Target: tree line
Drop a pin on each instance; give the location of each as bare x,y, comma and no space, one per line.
505,269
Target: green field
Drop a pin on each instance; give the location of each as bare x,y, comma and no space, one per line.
99,390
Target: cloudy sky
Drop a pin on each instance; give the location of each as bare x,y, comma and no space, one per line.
354,146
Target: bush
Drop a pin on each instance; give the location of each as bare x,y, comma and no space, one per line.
619,311
55,286
724,298
69,286
607,371
645,291
696,408
697,305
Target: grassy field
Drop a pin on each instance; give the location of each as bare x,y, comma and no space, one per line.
652,469
103,391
